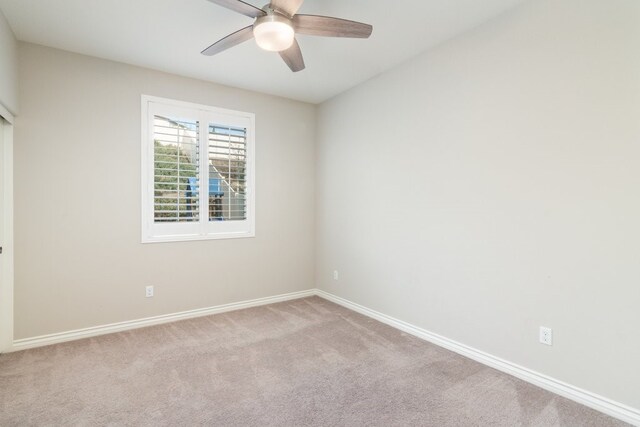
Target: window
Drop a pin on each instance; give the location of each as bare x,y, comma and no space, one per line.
197,172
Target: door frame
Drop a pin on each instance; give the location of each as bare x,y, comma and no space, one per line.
6,282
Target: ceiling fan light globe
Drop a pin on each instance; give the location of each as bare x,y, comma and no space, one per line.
273,35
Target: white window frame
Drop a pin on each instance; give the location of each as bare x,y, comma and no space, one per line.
204,229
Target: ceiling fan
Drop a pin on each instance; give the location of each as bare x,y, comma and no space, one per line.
276,25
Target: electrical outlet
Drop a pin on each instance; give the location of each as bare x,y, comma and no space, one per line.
148,291
335,274
546,336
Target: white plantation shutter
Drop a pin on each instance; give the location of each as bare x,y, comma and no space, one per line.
227,168
188,195
176,177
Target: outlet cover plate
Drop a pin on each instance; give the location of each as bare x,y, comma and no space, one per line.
546,336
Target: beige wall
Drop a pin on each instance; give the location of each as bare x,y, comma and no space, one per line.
8,67
491,186
79,260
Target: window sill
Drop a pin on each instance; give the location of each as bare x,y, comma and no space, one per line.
197,237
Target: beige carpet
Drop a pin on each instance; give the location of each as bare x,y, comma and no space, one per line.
307,362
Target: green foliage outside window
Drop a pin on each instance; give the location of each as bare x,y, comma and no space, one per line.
173,166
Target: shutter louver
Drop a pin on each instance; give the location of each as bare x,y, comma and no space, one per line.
176,179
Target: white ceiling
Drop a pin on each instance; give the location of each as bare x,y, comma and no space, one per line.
168,35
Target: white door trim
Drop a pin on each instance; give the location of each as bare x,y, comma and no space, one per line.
6,284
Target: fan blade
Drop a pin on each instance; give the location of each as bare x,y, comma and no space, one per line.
293,57
315,25
240,7
288,7
231,40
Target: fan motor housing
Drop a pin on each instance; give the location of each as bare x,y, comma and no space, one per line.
273,16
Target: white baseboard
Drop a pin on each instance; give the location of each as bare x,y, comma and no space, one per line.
592,400
39,341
